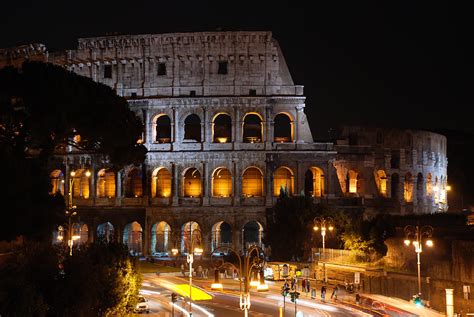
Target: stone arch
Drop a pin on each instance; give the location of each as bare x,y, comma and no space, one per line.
132,237
252,128
381,181
252,182
408,188
57,182
191,236
105,183
283,128
192,183
314,182
429,185
222,128
252,234
133,183
436,190
81,184
84,234
162,129
161,238
221,182
192,128
161,183
105,232
395,184
283,179
419,188
221,235
352,182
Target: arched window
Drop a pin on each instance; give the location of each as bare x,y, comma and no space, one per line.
352,182
132,237
419,188
190,237
222,128
253,234
381,179
252,128
192,183
252,182
408,188
283,128
283,181
395,185
436,190
105,183
192,128
314,182
429,185
57,182
163,129
134,183
161,183
221,235
80,184
105,232
160,238
222,183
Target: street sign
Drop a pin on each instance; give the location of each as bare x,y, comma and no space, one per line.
357,278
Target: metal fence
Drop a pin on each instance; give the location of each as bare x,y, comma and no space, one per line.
339,256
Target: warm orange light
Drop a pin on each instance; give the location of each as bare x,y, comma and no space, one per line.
407,242
88,173
216,286
222,139
73,173
198,251
429,243
174,252
331,228
262,287
448,188
315,228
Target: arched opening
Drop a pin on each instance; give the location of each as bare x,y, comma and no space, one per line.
133,185
163,129
252,234
222,128
352,182
419,188
442,190
429,185
132,237
192,128
314,182
160,239
105,232
221,183
283,128
191,237
408,188
283,181
57,182
252,182
84,234
161,183
381,179
395,186
221,235
436,190
252,128
105,183
192,183
80,184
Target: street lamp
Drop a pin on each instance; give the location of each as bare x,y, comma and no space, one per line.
322,224
190,259
253,259
414,235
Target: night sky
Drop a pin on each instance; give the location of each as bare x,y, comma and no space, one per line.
404,64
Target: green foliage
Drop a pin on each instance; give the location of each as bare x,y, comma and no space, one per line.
42,107
99,280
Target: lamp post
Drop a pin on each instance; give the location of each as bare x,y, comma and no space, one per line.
254,259
190,260
323,224
414,235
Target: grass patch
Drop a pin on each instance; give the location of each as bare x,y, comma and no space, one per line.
148,267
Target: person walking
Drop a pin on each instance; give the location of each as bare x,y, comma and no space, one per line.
323,292
293,282
303,285
334,292
308,286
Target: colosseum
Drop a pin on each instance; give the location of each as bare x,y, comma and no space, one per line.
226,132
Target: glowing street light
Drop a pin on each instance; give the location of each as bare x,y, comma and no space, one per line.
415,235
323,224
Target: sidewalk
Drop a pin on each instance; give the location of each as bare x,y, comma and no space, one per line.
404,305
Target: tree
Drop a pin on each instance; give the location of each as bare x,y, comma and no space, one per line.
44,108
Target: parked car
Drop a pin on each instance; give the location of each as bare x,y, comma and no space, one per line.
142,305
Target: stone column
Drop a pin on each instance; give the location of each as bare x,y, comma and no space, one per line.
175,135
268,137
237,138
175,185
146,238
204,125
205,184
449,302
92,188
236,184
118,188
269,186
237,239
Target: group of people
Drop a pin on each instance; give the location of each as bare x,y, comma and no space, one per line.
306,287
200,271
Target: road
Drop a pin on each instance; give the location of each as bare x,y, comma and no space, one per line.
226,303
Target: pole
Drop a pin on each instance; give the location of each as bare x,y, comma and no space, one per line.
284,305
419,273
295,306
190,257
323,233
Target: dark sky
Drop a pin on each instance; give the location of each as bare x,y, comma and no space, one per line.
406,64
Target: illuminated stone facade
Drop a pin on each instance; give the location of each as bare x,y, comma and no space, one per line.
226,132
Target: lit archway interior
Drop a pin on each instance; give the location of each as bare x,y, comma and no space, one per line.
81,184
408,188
105,232
105,183
381,180
221,183
282,128
222,128
57,182
221,235
132,237
161,183
352,181
314,182
252,129
192,183
160,238
252,182
134,187
283,181
190,237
